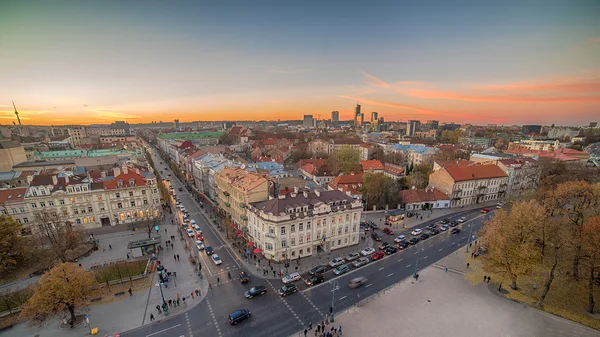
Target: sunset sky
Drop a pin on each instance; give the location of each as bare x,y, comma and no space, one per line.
503,62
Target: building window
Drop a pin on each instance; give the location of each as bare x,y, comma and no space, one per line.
65,212
33,205
77,189
300,227
133,203
339,230
119,205
143,192
4,211
118,195
42,204
120,183
34,193
283,243
25,220
75,211
339,242
282,230
90,209
145,202
14,211
318,223
131,193
50,203
293,253
301,239
293,241
293,228
346,241
21,209
78,221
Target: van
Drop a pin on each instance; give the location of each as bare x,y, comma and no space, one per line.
357,282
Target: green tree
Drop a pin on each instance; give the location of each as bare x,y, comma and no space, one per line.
451,137
66,286
344,160
14,248
380,190
394,157
228,139
419,176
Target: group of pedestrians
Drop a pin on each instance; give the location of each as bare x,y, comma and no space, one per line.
323,331
176,257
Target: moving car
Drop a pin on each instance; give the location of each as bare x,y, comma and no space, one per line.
485,210
357,282
255,291
216,259
403,245
238,316
341,269
445,221
416,232
190,232
455,230
499,206
400,238
377,256
444,228
388,231
384,245
352,256
200,245
243,277
361,262
288,289
414,240
314,279
180,189
373,225
375,236
291,278
338,261
209,250
390,250
318,270
462,219
424,236
367,251
434,231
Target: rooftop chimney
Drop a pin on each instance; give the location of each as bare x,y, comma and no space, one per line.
103,174
54,179
117,171
317,193
125,169
305,194
296,189
282,196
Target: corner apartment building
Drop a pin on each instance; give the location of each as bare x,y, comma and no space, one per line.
300,224
522,173
12,203
236,188
470,184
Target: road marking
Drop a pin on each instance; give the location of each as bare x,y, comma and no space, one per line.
341,298
390,274
400,260
161,331
336,288
453,242
430,246
286,303
425,257
311,303
439,250
417,252
368,285
212,315
408,266
380,269
187,321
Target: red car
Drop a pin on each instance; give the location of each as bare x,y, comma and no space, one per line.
378,255
388,231
485,210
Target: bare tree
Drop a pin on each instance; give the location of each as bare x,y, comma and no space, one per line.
59,234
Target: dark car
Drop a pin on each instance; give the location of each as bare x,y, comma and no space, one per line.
243,277
432,226
453,223
455,230
414,241
388,231
403,245
384,245
238,316
180,189
288,289
318,270
390,250
209,250
424,236
445,221
373,225
376,236
434,231
314,279
255,291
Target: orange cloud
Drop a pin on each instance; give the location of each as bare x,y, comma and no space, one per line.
374,81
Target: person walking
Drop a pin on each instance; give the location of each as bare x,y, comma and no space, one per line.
209,285
468,264
130,292
171,246
305,330
192,294
177,257
158,308
110,247
218,279
489,278
485,278
309,325
340,330
151,317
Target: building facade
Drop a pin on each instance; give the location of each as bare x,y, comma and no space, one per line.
298,225
11,154
236,188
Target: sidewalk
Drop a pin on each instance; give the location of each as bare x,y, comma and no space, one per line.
134,311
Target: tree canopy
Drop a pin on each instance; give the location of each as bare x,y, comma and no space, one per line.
346,159
60,234
13,247
381,191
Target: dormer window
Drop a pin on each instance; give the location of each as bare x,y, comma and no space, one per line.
132,182
120,183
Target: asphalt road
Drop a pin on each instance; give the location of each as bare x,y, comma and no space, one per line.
273,315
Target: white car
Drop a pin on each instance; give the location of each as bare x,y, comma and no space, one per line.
216,259
352,256
400,238
367,251
197,229
193,223
499,205
462,219
190,232
199,245
291,278
444,227
338,261
417,231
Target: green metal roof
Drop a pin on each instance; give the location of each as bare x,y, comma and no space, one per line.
190,135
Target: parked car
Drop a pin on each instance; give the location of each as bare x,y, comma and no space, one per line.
373,225
416,232
378,255
190,232
180,189
444,228
462,219
388,231
318,270
375,236
361,262
209,250
314,279
403,245
291,278
341,270
193,223
414,240
238,316
288,289
434,231
390,250
455,230
255,291
453,223
357,282
367,251
499,206
200,245
445,221
338,261
485,210
352,256
400,238
243,277
384,245
424,236
216,259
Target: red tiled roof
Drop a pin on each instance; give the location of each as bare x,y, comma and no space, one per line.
516,162
112,184
12,194
270,141
316,162
369,165
475,172
235,130
412,196
347,141
42,180
392,169
456,163
348,183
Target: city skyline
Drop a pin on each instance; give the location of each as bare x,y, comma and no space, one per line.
500,63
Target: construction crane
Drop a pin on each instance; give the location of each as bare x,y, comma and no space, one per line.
18,119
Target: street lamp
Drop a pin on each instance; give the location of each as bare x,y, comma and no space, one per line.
335,286
165,308
470,234
417,264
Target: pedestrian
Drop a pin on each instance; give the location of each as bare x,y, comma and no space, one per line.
309,325
305,330
183,300
489,278
468,264
177,257
209,285
218,279
130,292
109,247
446,269
485,278
178,297
318,327
151,317
171,246
192,294
127,256
472,255
178,302
340,330
170,303
158,308
165,230
103,249
174,274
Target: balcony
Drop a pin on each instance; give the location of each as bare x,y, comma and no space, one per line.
270,235
226,193
482,187
227,204
245,218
